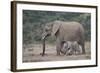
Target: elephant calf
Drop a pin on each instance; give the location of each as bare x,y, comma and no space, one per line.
71,48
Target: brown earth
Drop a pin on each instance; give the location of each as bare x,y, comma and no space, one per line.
31,53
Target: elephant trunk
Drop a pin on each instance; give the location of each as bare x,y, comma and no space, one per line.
43,43
43,53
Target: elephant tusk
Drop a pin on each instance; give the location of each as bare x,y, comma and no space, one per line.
43,38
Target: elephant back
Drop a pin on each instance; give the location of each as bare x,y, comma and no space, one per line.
71,31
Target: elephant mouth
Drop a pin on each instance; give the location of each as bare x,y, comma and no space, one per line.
45,36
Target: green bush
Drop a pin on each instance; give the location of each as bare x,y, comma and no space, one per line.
34,21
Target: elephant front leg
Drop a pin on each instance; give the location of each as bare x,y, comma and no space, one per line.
58,47
58,50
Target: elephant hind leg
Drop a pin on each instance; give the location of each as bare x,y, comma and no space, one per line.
83,49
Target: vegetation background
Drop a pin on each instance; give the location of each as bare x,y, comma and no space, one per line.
34,22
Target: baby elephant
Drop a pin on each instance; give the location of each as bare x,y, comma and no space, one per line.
71,47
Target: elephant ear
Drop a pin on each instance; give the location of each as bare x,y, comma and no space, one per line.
55,28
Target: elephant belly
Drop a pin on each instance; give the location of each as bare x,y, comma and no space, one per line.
70,36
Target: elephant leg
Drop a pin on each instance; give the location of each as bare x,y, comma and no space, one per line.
58,47
58,50
83,49
81,42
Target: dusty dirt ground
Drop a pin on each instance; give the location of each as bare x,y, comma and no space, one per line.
31,53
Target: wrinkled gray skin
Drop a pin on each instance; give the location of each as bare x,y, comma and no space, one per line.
64,31
71,48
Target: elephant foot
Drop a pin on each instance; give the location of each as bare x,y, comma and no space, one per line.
58,54
69,54
83,52
43,54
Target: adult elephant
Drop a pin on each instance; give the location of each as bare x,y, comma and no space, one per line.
64,31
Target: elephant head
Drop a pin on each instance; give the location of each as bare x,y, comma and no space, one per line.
50,29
